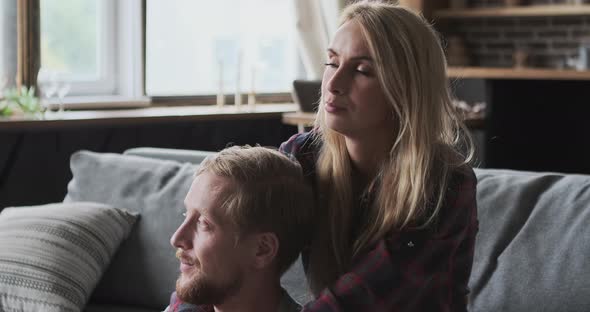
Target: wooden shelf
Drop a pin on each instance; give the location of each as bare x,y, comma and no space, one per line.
514,73
302,120
533,10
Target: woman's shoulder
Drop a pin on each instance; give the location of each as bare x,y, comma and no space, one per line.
302,147
463,177
300,142
459,209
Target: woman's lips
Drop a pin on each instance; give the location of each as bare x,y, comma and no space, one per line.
333,108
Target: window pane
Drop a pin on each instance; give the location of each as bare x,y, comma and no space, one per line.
189,41
70,38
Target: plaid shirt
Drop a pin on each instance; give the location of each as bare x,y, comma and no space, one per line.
409,270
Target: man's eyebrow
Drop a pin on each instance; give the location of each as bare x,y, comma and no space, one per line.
330,50
211,216
356,58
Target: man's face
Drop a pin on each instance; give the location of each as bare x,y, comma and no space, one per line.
212,265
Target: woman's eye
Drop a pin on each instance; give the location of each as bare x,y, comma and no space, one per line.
331,65
363,71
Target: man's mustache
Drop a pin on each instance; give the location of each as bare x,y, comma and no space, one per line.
182,257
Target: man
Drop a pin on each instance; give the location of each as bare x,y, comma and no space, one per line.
248,214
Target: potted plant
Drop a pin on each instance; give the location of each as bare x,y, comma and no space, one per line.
24,101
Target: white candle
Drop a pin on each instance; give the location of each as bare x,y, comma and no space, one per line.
238,95
252,94
220,94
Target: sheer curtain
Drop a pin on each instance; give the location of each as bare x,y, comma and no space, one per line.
8,44
316,21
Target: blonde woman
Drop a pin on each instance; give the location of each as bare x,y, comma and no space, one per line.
397,220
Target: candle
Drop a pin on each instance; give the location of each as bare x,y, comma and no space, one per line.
238,95
220,94
252,94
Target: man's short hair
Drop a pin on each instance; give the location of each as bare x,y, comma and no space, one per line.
269,194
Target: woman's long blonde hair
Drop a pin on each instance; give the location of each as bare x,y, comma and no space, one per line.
411,68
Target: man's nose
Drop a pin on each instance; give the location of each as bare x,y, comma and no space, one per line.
180,238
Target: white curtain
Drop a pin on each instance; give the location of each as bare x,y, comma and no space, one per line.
317,20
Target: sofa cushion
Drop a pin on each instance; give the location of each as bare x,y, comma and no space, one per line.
532,248
52,256
179,155
145,270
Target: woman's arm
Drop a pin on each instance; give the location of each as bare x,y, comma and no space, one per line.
414,270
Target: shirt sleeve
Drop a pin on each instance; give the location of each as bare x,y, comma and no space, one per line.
293,145
413,270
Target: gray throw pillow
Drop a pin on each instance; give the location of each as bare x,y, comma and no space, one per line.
144,271
52,256
532,248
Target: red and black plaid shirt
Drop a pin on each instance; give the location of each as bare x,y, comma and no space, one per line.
411,270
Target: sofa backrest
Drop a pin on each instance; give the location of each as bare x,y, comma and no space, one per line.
180,155
533,247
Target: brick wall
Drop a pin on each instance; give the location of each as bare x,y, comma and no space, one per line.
549,41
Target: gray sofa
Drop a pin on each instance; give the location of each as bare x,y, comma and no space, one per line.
532,250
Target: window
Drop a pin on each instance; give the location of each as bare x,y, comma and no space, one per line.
78,43
192,45
94,45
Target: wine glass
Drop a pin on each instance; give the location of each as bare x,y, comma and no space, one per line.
62,90
3,81
47,84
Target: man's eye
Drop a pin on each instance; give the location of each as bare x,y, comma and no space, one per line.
202,224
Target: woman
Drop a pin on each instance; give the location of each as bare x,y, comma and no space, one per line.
397,226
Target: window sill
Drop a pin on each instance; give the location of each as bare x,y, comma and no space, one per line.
145,115
101,102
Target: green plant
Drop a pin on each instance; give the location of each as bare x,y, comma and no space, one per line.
24,101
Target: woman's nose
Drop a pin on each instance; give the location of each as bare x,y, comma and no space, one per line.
337,81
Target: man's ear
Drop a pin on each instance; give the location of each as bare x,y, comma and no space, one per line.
267,248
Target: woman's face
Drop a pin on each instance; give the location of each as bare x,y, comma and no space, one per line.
354,103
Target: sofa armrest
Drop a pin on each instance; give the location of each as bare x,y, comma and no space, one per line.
180,155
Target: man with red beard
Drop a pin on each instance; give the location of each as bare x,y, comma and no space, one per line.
248,215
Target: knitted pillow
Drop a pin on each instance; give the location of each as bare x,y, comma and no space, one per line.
52,256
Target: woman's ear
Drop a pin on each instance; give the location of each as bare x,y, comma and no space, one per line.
267,248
